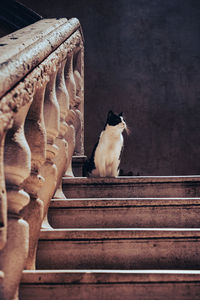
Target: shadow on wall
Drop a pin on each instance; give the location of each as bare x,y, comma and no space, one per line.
142,58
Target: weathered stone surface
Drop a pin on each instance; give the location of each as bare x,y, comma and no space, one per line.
121,212
139,186
21,56
113,248
3,197
112,285
29,64
13,257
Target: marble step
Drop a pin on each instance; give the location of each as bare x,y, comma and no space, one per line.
110,284
119,249
124,213
132,187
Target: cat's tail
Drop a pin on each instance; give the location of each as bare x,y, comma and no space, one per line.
86,168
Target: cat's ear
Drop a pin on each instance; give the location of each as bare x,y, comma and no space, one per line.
110,113
120,115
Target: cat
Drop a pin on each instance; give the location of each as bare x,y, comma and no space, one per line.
105,158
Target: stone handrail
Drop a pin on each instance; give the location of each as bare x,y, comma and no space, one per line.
41,126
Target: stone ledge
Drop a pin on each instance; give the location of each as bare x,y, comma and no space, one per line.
125,213
122,202
119,249
115,286
130,179
108,276
119,233
132,187
26,48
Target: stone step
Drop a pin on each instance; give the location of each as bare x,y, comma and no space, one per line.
124,213
110,284
132,187
77,164
119,249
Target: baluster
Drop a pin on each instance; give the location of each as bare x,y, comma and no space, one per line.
52,123
70,118
78,150
74,84
36,137
3,198
63,99
69,80
17,161
61,158
34,162
51,115
78,76
5,122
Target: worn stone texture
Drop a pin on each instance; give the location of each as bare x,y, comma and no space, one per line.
133,186
125,213
117,262
28,72
112,285
117,248
13,257
84,263
175,291
15,64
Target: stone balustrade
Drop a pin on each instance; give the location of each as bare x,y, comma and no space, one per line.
41,127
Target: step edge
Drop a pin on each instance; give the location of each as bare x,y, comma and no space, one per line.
130,179
118,233
103,276
121,202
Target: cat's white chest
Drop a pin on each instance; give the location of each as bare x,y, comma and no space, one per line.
108,152
110,144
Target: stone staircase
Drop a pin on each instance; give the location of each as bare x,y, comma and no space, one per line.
120,238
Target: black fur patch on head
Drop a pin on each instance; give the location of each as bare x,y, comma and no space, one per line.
113,119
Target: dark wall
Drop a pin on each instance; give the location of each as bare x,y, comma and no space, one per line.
143,58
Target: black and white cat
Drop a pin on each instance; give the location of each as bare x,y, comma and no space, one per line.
105,158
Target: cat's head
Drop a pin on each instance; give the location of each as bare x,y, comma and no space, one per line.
116,120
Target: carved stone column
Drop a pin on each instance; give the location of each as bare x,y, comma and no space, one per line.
17,168
70,118
3,197
5,123
36,137
34,162
52,125
74,84
79,108
3,200
62,156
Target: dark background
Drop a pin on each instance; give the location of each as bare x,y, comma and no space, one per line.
142,57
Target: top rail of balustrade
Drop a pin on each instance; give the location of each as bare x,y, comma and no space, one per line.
26,57
23,50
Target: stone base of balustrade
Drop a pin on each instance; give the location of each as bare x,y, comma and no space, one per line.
13,257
